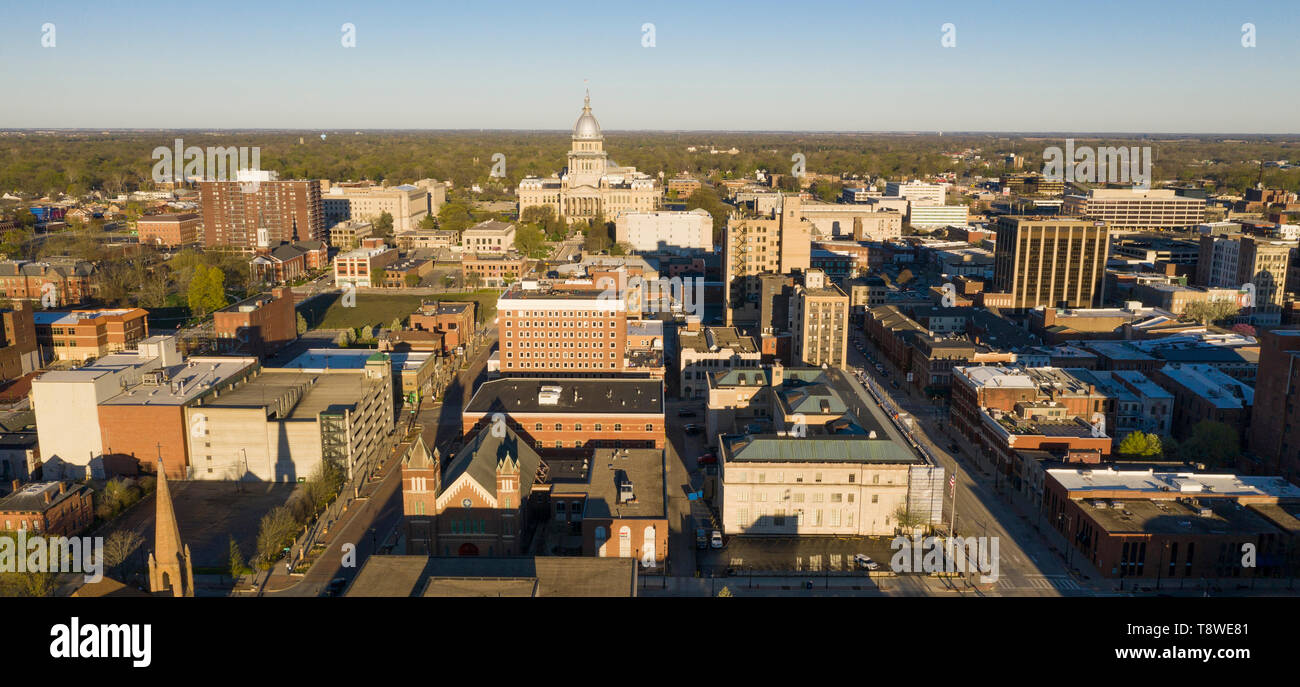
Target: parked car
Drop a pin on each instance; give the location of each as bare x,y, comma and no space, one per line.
894,383
336,586
701,539
707,459
864,562
692,429
716,540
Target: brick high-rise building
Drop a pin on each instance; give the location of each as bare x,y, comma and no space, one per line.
1275,440
1056,262
557,331
755,246
18,355
819,318
288,211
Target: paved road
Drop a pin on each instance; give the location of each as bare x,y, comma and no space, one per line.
1027,564
376,525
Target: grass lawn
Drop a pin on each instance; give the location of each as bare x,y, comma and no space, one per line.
327,311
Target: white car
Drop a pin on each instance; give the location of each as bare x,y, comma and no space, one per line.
864,561
716,540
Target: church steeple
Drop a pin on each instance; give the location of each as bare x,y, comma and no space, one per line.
169,564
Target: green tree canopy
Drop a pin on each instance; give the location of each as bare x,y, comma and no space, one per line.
1215,444
1140,445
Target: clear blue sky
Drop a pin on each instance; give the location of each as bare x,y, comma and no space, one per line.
1136,65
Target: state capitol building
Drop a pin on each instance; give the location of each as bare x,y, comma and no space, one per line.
593,185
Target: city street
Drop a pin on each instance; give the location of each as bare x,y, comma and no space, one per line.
375,522
1026,562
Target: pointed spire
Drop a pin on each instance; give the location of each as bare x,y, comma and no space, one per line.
169,564
167,533
586,102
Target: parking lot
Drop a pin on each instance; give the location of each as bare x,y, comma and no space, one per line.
743,555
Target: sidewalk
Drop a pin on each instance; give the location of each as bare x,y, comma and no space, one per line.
279,579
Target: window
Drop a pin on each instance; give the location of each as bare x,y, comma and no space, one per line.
618,426
597,426
649,427
853,477
837,497
818,477
875,498
577,426
875,479
538,427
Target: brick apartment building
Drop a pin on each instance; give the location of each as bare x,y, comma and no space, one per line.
171,230
261,325
276,212
48,508
70,281
455,320
1178,528
559,331
360,267
493,270
1277,443
83,334
18,352
572,416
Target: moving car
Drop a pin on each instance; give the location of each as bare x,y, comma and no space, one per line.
716,540
336,586
864,562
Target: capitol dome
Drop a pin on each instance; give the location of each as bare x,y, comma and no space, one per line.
587,126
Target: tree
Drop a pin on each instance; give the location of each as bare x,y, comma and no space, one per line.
429,222
455,217
118,549
1215,444
302,324
276,532
412,280
908,519
904,276
207,290
473,280
396,324
383,226
529,239
236,560
1209,312
1140,445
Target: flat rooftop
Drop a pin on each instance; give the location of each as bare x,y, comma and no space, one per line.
180,384
602,396
1211,384
1182,483
608,469
772,448
1168,516
560,576
706,338
276,388
67,318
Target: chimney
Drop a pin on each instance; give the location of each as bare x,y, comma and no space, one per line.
63,487
48,498
16,483
1049,317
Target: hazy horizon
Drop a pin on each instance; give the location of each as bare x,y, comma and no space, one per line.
822,67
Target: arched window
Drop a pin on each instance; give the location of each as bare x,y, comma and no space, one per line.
625,542
648,547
